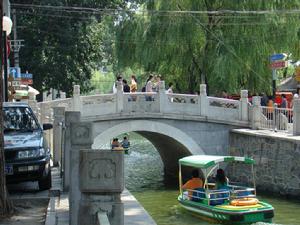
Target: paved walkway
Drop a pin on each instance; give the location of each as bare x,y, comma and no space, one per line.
58,209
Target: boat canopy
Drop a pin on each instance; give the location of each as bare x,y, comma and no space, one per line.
206,161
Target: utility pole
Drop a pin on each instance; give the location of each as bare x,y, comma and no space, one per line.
16,53
5,203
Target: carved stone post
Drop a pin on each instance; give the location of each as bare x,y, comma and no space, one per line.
256,113
76,98
101,184
244,105
120,97
70,117
81,134
59,117
203,100
296,117
162,96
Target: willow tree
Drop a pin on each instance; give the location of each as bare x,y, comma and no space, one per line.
209,41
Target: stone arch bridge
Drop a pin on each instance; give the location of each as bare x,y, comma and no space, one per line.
176,124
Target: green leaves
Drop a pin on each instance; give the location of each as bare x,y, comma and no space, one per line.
229,50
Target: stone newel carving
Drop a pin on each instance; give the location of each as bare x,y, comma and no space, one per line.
101,171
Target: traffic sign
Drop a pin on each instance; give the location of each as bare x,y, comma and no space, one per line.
15,72
280,56
278,64
26,75
26,81
16,83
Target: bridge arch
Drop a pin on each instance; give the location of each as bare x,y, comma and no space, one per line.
170,142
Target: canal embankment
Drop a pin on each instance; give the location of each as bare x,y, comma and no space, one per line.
277,158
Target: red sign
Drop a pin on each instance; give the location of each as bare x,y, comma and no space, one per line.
26,81
278,64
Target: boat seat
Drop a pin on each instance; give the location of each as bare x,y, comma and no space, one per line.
214,197
198,195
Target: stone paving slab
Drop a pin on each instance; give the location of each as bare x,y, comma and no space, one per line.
268,133
134,213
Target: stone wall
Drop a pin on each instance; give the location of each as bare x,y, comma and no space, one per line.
277,168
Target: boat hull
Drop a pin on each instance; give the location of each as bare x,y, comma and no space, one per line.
263,212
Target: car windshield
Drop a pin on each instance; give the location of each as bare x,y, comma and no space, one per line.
19,119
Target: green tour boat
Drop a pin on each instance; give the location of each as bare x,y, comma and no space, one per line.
232,204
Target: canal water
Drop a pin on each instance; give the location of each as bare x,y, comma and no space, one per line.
144,178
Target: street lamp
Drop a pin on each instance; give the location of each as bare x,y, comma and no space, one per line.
6,26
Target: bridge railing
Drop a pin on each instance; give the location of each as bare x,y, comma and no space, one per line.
152,102
141,102
227,109
273,118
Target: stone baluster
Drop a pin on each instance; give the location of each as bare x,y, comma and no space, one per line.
256,113
203,100
162,96
244,105
43,112
70,117
120,97
34,106
59,117
296,117
76,98
63,95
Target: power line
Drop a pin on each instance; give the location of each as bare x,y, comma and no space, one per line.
228,23
218,12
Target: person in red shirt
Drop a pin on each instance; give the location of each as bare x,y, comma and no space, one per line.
193,183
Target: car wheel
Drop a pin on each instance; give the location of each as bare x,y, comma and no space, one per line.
45,183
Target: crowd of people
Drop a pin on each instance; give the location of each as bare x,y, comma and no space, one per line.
152,84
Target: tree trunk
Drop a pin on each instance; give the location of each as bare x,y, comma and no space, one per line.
5,203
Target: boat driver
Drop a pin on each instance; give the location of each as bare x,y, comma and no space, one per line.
193,183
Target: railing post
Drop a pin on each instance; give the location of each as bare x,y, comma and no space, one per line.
244,105
70,117
34,106
203,100
162,97
76,98
275,117
256,113
63,95
120,97
59,117
296,117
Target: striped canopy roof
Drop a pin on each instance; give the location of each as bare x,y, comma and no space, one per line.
206,161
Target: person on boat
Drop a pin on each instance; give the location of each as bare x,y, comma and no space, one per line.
194,183
115,143
125,143
221,180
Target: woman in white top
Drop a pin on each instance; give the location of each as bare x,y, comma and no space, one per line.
170,89
149,88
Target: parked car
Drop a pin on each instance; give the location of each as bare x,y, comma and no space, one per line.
27,153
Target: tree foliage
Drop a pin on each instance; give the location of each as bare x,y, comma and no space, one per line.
62,47
226,50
